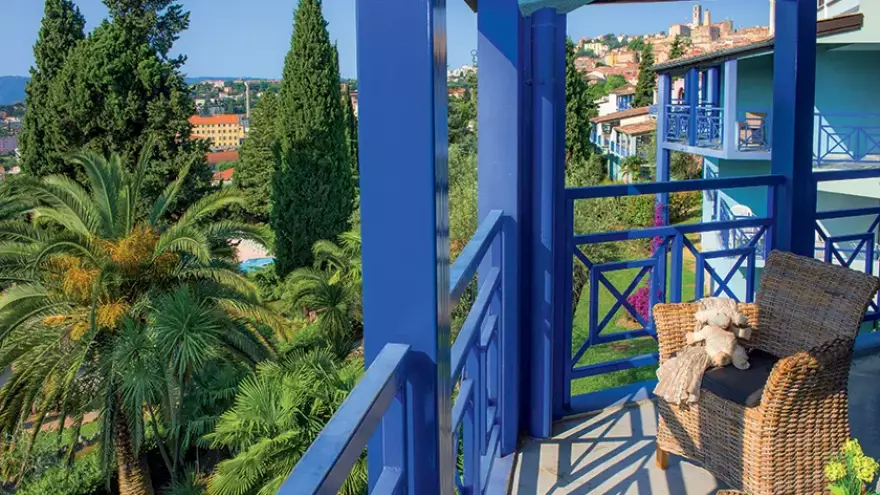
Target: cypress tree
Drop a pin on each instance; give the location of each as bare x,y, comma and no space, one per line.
579,109
313,191
256,164
61,29
647,79
351,129
119,87
677,49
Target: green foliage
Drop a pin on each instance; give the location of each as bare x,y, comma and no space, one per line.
62,27
632,167
587,173
610,40
278,413
579,109
313,190
257,161
83,477
684,166
637,44
683,205
226,166
117,309
118,88
462,116
677,49
462,198
268,284
647,79
351,130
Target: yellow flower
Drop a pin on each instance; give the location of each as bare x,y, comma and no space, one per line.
834,471
865,468
852,447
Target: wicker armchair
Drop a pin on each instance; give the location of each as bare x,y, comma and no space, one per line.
805,319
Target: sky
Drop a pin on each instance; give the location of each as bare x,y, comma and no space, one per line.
249,38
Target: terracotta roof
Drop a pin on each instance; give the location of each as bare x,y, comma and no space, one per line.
632,112
628,89
636,129
227,118
224,176
826,27
222,156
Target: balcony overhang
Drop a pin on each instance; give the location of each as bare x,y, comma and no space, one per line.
562,6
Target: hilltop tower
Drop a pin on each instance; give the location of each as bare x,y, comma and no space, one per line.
707,18
698,16
772,17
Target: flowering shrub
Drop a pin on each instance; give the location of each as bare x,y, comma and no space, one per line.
658,222
640,300
850,469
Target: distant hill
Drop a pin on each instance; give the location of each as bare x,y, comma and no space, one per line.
12,89
196,80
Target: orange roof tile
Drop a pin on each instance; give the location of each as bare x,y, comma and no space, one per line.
632,112
227,118
222,156
224,175
636,129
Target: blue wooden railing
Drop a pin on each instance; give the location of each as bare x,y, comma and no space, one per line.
754,127
678,118
478,412
671,242
843,138
710,126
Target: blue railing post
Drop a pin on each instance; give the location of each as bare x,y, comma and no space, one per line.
546,175
664,94
731,134
501,182
405,229
713,84
692,95
794,92
559,234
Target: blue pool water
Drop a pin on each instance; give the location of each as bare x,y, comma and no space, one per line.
254,263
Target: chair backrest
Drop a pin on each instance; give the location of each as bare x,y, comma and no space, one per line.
803,302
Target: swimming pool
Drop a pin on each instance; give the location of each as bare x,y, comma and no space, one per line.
254,263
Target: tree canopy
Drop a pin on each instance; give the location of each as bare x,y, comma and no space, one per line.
677,49
62,27
313,192
256,165
647,79
579,109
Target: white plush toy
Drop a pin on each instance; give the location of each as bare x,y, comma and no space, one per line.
719,325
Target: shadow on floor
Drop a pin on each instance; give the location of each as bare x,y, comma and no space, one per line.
612,452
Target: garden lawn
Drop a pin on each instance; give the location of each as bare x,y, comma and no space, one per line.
621,322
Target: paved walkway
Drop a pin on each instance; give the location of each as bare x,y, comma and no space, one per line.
612,452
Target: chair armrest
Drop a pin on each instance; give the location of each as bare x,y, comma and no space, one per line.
673,321
806,379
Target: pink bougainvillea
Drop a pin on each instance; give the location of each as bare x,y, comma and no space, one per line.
640,300
658,222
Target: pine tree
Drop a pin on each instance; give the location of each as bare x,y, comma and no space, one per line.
119,87
677,49
579,109
351,129
647,80
313,191
256,164
61,29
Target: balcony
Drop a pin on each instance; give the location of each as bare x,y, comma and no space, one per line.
512,402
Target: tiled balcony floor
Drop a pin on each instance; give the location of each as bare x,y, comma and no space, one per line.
612,452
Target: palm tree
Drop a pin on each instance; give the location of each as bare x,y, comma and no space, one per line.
631,167
331,289
277,414
117,310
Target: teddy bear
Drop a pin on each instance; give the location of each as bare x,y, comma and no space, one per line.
719,325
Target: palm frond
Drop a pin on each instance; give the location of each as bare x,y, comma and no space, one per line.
167,198
209,204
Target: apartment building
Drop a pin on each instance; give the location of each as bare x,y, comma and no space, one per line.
225,130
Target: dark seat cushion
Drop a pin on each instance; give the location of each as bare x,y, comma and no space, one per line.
743,387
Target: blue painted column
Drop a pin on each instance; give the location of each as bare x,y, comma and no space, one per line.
545,187
664,96
794,92
730,140
561,231
713,86
500,118
405,230
692,96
